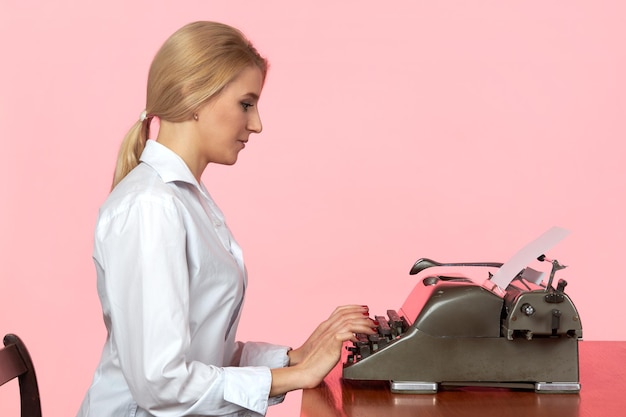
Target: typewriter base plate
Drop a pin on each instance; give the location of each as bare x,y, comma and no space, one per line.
421,387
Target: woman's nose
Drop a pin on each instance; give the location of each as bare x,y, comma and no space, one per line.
254,123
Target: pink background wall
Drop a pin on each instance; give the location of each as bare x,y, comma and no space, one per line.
457,131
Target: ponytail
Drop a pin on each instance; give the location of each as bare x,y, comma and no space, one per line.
132,146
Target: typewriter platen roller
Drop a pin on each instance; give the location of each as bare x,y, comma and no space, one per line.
454,331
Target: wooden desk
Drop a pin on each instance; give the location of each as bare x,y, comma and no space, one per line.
603,393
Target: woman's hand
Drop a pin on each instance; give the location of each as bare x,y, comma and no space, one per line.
322,350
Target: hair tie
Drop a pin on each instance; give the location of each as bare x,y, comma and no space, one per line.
143,116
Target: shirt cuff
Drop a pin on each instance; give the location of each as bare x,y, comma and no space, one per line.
248,387
269,355
264,354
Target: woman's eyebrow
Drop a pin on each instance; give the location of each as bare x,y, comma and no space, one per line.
254,96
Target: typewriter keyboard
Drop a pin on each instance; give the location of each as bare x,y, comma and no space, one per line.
389,329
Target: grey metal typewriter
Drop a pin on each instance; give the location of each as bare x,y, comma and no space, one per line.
452,331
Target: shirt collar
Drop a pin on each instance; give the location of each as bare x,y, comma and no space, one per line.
167,163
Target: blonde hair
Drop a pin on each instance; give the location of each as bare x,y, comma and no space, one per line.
193,65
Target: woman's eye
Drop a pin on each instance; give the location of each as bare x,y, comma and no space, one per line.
246,106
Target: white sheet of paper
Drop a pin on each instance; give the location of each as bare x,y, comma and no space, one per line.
503,277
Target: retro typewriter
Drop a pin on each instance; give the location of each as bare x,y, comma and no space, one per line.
453,331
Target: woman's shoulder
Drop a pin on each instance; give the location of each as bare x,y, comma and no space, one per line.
141,189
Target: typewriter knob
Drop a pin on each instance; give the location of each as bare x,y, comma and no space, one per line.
528,309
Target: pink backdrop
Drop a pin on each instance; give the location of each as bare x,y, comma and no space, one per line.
452,130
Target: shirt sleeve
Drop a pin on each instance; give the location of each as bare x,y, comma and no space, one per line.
141,249
265,354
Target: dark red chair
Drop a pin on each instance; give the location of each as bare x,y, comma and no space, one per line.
15,362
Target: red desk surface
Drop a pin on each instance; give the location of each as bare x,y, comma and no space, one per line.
603,393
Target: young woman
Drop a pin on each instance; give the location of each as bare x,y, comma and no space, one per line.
171,277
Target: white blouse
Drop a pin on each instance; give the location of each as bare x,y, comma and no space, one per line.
171,280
